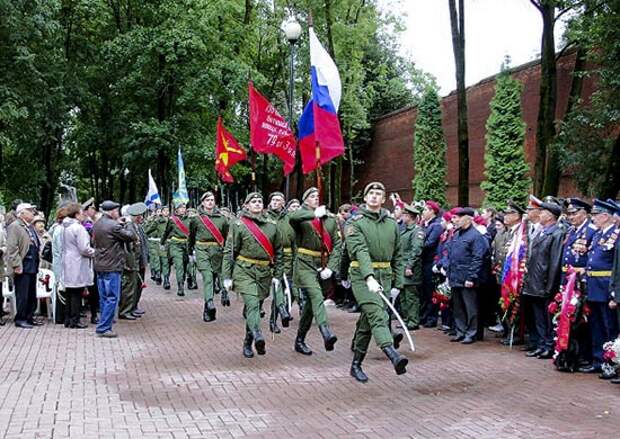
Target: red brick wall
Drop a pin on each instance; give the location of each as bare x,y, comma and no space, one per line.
390,157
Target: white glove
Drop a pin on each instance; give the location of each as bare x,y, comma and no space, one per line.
373,285
192,258
435,269
443,271
345,284
394,292
325,273
162,247
276,283
227,284
320,211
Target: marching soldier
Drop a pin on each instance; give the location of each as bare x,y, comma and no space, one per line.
130,277
317,258
207,234
190,263
278,213
153,233
253,265
412,240
373,242
176,235
603,323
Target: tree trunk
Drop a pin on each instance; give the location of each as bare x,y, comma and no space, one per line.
613,172
457,25
546,169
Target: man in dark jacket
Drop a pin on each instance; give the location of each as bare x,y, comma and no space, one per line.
109,239
433,230
542,277
465,255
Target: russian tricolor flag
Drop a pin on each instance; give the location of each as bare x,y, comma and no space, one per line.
319,128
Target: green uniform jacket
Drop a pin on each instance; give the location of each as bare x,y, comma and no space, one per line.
374,237
287,235
132,251
198,232
154,227
307,266
250,278
172,231
412,241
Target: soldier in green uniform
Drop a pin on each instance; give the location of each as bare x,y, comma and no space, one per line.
207,233
190,263
164,259
278,213
176,235
130,278
291,206
154,238
317,258
252,265
412,241
373,242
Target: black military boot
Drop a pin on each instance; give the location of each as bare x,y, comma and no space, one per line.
284,315
180,291
247,345
157,278
273,322
397,338
205,314
301,346
398,361
191,283
225,299
210,310
356,367
166,282
259,342
329,338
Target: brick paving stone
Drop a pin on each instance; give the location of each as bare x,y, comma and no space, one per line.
170,375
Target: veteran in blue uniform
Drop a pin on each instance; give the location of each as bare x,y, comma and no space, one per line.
603,320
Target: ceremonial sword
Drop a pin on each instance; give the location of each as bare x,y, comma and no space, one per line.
398,317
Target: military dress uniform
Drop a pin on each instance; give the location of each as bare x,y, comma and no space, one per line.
603,321
154,228
130,279
313,256
209,253
412,241
373,243
287,235
177,240
252,270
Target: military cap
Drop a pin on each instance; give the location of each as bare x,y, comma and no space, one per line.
601,206
292,201
276,194
615,203
309,192
207,194
109,205
377,185
466,211
137,209
514,208
574,204
413,210
534,203
24,206
433,205
554,208
555,200
253,195
178,204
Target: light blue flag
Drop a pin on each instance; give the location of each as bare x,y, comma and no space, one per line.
180,196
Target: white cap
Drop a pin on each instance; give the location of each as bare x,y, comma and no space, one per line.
24,206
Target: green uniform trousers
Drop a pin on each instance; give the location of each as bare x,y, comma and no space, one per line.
251,311
313,307
410,305
164,260
129,285
373,320
154,260
209,263
178,255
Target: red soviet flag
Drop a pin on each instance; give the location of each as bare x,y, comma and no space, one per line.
227,152
269,132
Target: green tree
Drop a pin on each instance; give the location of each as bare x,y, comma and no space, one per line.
429,152
505,167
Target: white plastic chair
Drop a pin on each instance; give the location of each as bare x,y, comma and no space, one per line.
8,294
46,290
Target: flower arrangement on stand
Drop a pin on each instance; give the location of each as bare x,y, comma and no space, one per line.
611,357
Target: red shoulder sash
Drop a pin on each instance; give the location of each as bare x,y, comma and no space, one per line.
260,237
182,227
212,228
323,234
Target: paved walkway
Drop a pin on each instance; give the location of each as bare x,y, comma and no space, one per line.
170,375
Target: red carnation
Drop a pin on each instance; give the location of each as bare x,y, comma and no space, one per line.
558,297
553,308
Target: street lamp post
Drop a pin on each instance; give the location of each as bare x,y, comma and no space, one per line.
292,31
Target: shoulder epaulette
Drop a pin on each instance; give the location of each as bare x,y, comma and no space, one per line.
592,226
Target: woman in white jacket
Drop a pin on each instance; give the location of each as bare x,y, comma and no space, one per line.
77,265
